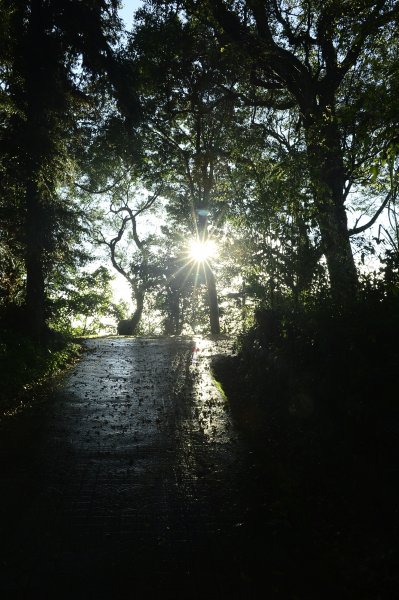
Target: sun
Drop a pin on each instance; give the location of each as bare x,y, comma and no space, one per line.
202,251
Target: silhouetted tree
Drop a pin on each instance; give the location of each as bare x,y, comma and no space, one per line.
52,55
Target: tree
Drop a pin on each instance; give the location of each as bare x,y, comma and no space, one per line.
307,58
84,303
134,265
50,57
187,120
176,281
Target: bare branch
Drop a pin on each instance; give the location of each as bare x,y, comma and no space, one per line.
132,216
102,191
264,102
112,246
357,230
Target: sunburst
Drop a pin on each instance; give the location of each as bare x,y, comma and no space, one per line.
202,251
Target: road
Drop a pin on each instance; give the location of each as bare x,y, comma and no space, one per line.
129,477
132,479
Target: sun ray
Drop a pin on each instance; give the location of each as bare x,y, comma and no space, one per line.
189,273
195,260
201,251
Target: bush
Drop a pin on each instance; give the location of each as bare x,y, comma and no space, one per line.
296,359
24,364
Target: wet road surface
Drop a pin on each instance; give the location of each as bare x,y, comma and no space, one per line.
134,480
127,482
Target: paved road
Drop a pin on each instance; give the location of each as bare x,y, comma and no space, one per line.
131,481
127,482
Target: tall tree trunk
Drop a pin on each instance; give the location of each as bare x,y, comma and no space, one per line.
338,252
210,280
139,294
328,179
38,86
212,300
35,288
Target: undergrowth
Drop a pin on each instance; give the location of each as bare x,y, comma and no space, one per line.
314,392
25,365
305,362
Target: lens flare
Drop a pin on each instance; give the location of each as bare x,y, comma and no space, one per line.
202,251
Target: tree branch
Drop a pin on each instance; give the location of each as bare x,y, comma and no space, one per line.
279,61
112,246
357,230
369,26
262,103
324,39
104,190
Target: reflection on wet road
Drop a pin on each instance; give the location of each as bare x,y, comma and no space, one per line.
210,405
126,478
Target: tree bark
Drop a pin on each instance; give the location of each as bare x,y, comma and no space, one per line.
210,280
129,326
35,287
328,179
138,313
338,252
212,300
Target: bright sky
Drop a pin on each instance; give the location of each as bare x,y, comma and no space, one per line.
127,10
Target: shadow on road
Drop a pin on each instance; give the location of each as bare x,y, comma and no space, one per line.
128,477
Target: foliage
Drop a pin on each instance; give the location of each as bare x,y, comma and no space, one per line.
296,68
25,366
52,61
85,304
319,359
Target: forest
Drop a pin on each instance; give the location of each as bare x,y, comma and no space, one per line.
199,299
234,162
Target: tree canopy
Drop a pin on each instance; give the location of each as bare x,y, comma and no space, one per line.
266,126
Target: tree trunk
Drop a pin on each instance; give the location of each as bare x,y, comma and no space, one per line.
338,252
136,318
212,300
328,179
129,326
35,288
210,280
37,134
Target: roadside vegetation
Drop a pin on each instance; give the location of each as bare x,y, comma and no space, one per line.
26,368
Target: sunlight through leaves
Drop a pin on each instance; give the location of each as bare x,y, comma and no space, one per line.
201,251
